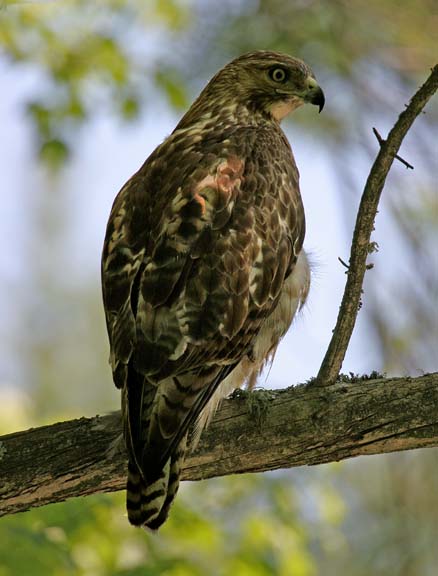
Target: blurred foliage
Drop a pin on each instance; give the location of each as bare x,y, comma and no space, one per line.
87,55
408,340
115,57
91,55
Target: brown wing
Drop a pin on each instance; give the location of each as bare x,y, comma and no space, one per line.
198,245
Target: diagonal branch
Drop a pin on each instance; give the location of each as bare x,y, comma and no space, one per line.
360,246
302,425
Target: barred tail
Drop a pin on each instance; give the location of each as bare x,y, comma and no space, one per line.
148,504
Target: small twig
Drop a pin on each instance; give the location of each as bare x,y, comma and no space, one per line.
399,158
360,247
343,263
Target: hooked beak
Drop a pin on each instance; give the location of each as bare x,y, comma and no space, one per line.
314,93
318,98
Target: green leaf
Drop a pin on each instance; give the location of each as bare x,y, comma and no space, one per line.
54,153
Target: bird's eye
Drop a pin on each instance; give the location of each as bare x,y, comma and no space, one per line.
278,74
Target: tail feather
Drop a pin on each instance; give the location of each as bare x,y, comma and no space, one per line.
172,486
148,504
157,418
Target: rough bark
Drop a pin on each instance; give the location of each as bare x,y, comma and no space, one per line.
265,430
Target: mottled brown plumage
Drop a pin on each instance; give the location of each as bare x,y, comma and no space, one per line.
203,267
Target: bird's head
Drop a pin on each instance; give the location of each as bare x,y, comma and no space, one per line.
264,82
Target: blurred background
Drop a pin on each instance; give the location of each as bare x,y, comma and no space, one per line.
88,90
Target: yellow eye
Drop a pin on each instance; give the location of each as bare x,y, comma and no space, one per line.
278,74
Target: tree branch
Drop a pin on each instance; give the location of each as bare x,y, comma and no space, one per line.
303,425
360,246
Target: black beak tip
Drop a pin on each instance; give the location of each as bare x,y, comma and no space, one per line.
318,99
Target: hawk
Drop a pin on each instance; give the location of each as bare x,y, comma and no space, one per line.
203,268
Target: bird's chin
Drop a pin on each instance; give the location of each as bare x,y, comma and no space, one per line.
280,110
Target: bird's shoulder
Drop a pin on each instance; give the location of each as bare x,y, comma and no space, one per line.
200,158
